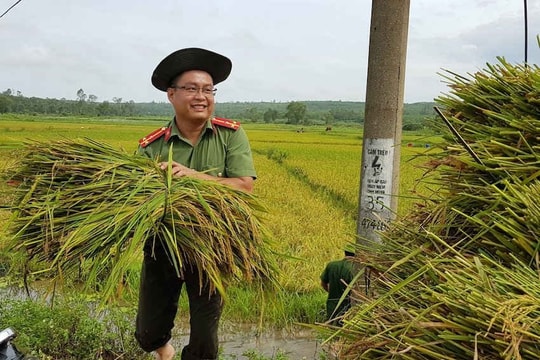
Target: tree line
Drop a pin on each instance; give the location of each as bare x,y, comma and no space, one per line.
294,112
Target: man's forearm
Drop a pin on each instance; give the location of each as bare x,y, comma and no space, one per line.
244,183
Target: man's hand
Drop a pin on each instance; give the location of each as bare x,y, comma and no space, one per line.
177,169
244,183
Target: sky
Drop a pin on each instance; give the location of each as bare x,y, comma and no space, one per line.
282,50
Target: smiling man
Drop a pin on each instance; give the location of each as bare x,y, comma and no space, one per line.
203,147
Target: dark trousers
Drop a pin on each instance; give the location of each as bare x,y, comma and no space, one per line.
158,303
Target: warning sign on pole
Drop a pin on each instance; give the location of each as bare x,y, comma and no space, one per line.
376,187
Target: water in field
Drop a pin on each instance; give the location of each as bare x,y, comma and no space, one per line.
239,344
299,346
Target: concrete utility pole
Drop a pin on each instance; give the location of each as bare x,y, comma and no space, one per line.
379,181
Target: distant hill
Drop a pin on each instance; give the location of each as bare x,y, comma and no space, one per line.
315,112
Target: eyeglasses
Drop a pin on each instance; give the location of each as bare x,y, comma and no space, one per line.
192,90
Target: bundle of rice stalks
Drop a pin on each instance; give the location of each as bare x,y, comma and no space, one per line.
83,206
478,309
459,278
497,114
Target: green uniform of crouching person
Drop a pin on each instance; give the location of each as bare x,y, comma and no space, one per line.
215,149
335,278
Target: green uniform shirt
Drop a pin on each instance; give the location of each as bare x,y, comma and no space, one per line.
337,275
220,151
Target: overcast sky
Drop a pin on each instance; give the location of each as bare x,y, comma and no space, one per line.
282,50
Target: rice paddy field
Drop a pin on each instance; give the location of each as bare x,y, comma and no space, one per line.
308,180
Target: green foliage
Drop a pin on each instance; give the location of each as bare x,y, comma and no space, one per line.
412,126
70,330
23,105
270,115
277,155
296,112
316,112
253,355
282,309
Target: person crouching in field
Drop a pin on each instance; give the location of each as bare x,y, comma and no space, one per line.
335,279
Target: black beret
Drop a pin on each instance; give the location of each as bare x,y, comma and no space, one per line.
218,66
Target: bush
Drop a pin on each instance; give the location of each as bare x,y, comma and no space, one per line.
70,329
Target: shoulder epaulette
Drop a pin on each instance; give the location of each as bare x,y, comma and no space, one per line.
231,124
154,135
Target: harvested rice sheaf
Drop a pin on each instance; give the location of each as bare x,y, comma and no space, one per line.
458,279
84,206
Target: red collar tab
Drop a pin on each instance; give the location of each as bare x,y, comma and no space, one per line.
231,124
154,135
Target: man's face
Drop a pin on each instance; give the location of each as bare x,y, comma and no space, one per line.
192,96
